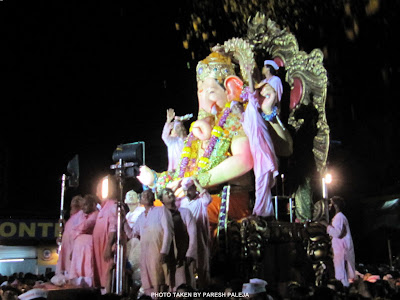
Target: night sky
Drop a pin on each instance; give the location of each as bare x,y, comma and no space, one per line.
81,78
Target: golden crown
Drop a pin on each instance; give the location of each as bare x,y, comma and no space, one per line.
216,66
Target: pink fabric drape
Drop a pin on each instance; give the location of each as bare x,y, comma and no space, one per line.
264,157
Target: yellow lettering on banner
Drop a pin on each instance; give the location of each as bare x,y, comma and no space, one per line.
45,228
12,229
24,229
56,229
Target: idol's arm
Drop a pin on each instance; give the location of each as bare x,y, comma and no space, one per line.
234,166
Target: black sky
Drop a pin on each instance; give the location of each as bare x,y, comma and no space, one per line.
81,78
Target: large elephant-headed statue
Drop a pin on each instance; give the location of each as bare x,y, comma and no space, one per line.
241,132
222,148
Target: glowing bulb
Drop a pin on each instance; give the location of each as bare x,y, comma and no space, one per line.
104,188
328,178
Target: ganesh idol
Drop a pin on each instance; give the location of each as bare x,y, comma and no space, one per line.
217,150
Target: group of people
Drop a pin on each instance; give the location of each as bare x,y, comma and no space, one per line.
76,255
86,257
174,239
372,282
166,245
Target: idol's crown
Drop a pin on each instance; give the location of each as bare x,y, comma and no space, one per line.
216,66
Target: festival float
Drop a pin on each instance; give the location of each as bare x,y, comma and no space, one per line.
285,243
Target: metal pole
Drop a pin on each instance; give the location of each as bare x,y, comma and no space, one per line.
291,209
390,254
119,258
276,208
61,219
144,154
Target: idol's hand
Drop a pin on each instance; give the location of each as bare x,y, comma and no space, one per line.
202,129
174,185
177,188
146,176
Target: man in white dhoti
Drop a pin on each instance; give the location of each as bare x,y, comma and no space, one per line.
155,229
342,243
133,245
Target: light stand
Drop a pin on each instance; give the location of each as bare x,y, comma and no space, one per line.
122,170
73,181
61,219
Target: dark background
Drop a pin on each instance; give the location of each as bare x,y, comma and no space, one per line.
83,77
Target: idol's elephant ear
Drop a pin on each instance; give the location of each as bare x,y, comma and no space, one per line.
233,86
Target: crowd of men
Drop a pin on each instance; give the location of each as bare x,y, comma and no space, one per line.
166,245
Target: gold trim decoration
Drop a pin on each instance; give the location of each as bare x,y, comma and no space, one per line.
265,35
241,51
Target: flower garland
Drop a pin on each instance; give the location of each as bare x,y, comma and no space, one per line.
187,151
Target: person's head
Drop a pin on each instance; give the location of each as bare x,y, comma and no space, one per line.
256,288
270,68
131,198
178,130
337,203
10,293
189,188
76,204
168,197
89,204
147,198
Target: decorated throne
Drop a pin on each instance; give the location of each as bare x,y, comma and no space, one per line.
283,249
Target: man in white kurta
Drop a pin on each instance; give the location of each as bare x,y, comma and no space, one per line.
271,78
155,229
342,244
173,135
198,203
133,245
184,251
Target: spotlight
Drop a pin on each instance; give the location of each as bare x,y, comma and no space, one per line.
133,152
132,156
